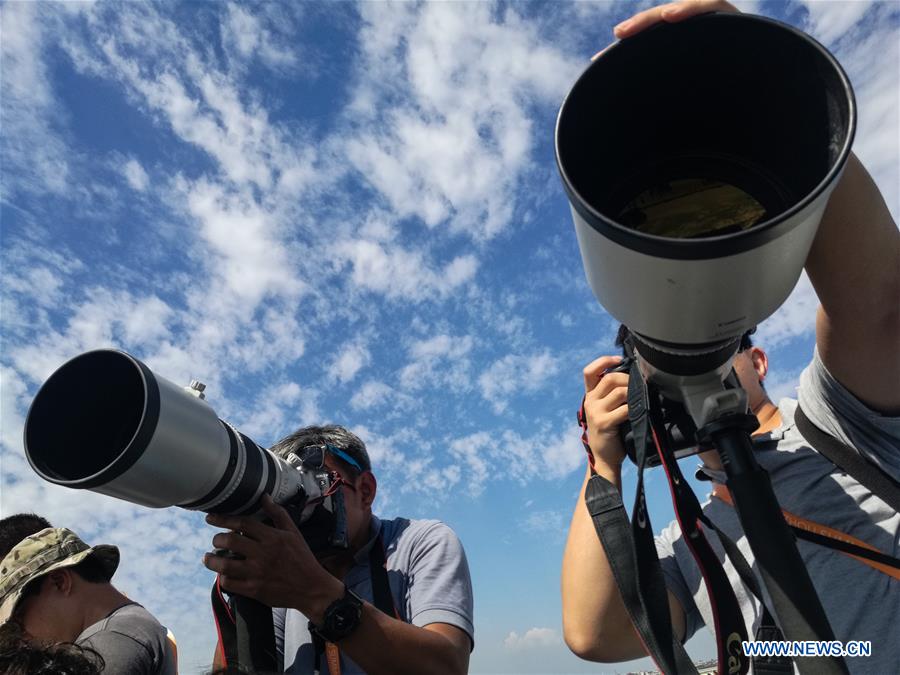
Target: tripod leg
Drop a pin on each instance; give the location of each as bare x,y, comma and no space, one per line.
795,601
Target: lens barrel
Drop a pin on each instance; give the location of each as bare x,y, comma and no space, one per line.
104,422
698,158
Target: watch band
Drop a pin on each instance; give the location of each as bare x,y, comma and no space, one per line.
340,619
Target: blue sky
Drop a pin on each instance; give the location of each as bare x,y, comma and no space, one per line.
341,213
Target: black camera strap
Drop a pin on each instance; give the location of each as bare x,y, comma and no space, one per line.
730,628
631,553
849,460
646,601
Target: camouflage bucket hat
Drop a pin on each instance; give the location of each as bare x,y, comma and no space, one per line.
41,553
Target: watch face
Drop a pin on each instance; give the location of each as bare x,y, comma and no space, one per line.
342,617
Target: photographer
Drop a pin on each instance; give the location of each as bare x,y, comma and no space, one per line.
58,589
399,600
849,390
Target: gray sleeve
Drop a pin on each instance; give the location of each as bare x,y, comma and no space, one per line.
666,544
832,408
440,588
122,654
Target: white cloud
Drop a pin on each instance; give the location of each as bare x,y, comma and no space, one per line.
370,394
453,82
832,20
349,361
399,272
472,453
534,638
104,319
547,454
439,359
135,175
244,34
280,410
515,374
250,259
29,141
783,384
549,523
795,318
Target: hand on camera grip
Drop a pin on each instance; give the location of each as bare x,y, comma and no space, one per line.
605,408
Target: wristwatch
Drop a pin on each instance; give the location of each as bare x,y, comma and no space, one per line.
340,619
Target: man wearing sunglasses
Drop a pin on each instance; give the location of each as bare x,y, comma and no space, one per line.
399,600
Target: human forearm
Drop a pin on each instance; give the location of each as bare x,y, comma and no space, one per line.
385,645
596,625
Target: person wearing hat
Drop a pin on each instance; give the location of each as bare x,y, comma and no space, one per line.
399,600
58,589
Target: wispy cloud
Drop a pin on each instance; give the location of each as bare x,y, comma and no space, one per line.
402,273
795,318
135,175
533,638
514,374
29,142
441,359
452,145
348,361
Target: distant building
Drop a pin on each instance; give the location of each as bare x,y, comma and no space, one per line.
707,667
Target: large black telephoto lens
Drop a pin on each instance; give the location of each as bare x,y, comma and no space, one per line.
104,422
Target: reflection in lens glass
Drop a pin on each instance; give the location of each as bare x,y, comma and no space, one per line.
692,207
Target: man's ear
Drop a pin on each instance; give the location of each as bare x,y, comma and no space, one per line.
61,581
368,486
760,363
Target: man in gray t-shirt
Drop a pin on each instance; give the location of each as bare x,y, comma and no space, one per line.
428,579
399,600
856,597
850,391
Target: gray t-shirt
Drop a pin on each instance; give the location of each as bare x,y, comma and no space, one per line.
429,579
861,603
131,642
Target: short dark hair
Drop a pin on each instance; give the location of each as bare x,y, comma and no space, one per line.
14,528
91,570
746,342
18,656
330,434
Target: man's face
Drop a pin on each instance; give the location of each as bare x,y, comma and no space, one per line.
47,615
751,367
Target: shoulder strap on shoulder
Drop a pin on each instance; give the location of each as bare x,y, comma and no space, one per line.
848,459
381,585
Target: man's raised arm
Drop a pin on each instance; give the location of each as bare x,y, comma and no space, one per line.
596,625
854,266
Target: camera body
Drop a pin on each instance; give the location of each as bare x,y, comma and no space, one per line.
679,426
